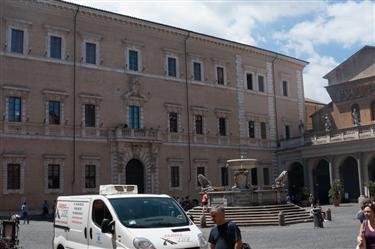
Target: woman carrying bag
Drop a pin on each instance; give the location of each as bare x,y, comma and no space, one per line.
366,236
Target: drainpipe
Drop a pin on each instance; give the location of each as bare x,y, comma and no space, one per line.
74,96
274,99
187,106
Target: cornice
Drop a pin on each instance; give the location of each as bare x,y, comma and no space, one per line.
97,13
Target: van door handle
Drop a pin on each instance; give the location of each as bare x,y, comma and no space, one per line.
85,232
90,233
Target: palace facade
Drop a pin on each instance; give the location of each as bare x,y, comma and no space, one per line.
90,97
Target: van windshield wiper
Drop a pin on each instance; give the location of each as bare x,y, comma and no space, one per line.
137,226
163,224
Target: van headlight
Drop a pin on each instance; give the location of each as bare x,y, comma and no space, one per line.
202,241
143,243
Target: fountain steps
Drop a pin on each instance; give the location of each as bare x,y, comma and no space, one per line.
258,215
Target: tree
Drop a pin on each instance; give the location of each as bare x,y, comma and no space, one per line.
371,189
335,192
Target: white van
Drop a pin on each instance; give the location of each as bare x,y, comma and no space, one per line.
119,218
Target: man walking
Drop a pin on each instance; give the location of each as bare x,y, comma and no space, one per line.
226,234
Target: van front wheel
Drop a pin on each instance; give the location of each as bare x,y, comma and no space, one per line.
60,247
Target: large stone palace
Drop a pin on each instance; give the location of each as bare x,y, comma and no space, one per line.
90,97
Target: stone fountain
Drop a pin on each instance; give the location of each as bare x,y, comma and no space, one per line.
243,193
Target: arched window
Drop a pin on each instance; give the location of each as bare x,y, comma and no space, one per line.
373,110
356,114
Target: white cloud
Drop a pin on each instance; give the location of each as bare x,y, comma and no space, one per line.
341,24
313,82
345,24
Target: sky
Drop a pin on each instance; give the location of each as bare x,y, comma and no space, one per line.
324,33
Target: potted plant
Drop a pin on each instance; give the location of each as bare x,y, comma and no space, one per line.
371,189
335,192
305,194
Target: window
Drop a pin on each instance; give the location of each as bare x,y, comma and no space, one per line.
373,110
133,60
285,88
14,114
14,176
287,131
254,176
200,171
173,122
17,41
263,130
134,120
89,115
266,176
53,176
54,112
199,124
90,176
90,53
172,67
100,212
222,127
55,47
260,83
251,129
175,176
197,71
224,176
249,81
220,75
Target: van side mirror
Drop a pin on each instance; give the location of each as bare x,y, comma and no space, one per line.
107,226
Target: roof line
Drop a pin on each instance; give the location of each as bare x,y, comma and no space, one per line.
347,59
184,30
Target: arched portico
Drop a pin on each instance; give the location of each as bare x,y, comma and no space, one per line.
296,181
371,169
349,175
321,179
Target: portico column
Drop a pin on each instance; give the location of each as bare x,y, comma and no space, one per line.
260,177
358,158
330,172
306,174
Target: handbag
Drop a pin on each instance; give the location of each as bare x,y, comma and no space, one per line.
245,246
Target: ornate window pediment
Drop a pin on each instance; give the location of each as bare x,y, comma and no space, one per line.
134,95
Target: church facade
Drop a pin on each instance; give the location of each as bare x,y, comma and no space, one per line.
340,144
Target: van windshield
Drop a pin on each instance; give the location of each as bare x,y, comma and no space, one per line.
149,212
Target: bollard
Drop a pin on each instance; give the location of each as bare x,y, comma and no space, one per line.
328,214
202,221
318,218
281,218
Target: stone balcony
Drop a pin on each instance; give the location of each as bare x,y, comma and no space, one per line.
335,136
147,134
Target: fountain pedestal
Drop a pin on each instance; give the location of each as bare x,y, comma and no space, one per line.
241,193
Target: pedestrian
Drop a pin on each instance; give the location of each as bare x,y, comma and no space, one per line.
360,215
25,212
311,200
366,236
204,202
226,234
45,209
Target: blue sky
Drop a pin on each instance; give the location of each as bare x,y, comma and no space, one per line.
324,33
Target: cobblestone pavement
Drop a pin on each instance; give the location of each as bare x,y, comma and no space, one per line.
340,233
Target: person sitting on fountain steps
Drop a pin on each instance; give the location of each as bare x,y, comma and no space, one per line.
226,234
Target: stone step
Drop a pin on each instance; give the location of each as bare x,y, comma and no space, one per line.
258,215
